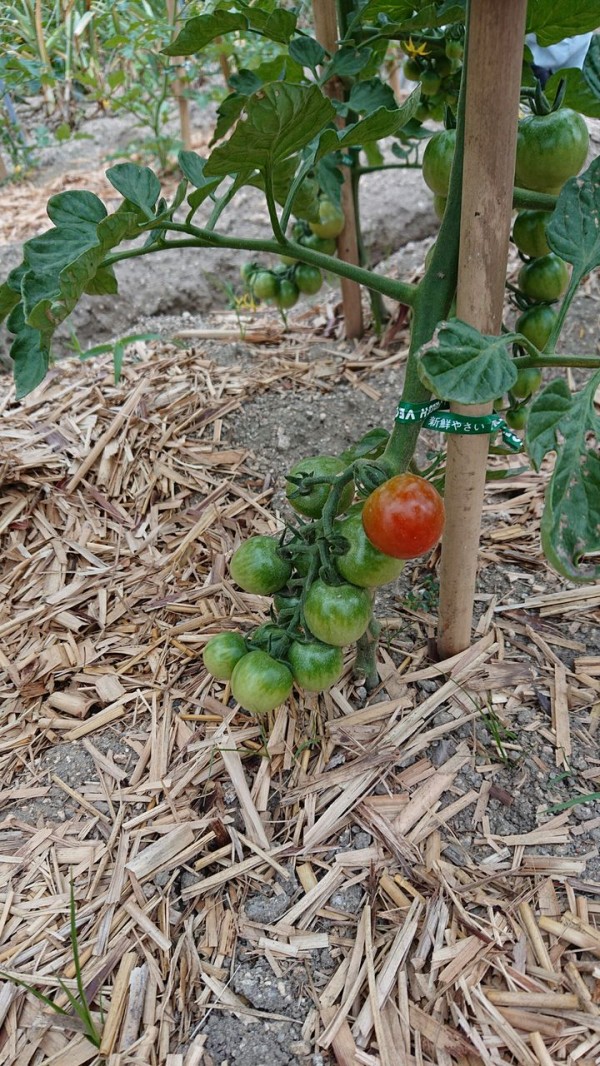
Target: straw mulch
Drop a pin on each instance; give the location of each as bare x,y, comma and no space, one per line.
120,507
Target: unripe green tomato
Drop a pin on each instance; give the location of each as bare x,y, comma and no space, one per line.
430,82
331,220
288,294
529,233
537,324
362,563
312,502
516,417
437,161
528,381
550,149
265,285
315,666
308,278
454,49
544,279
422,112
411,69
288,260
222,653
260,683
499,403
327,245
257,566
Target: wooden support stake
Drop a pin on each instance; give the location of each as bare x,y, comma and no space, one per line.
182,101
326,32
494,58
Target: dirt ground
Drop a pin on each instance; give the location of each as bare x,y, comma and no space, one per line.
512,744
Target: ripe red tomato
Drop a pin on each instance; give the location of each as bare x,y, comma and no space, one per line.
404,517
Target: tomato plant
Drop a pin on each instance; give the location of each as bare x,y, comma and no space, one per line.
281,132
404,517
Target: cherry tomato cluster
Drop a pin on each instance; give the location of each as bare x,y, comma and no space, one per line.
283,284
321,574
436,65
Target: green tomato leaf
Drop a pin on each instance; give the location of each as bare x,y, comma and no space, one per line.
466,366
245,82
583,86
407,15
76,207
380,123
553,20
52,250
330,178
569,425
574,228
370,95
201,30
192,165
277,25
347,63
137,184
228,112
8,299
308,53
305,203
30,355
104,283
279,120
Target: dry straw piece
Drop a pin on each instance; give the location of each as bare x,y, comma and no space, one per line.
128,772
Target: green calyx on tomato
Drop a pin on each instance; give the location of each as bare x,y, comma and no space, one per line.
528,381
257,566
308,278
315,666
248,269
222,653
404,517
544,279
529,233
437,161
260,683
337,614
311,499
362,564
550,149
537,324
331,220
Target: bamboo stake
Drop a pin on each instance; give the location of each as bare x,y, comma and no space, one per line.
494,51
3,170
326,32
182,100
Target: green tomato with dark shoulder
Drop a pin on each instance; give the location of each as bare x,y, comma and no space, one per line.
550,149
516,417
337,614
363,564
529,233
528,381
260,683
308,278
265,284
287,295
312,501
437,161
222,653
544,279
537,324
258,567
315,666
326,245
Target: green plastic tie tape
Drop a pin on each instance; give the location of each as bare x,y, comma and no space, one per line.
436,415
